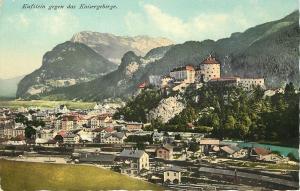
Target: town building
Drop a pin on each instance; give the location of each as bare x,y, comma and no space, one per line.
67,123
61,109
49,143
172,175
157,136
70,138
232,151
246,83
164,152
225,81
249,83
208,146
259,153
165,81
155,80
113,138
45,134
133,161
11,130
184,74
134,126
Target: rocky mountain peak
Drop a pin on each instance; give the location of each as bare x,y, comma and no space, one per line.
113,47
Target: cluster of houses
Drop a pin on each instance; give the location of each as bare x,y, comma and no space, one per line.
208,71
99,139
71,126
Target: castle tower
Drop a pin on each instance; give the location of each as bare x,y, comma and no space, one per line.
208,69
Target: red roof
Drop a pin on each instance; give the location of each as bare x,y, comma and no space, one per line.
181,68
62,133
261,151
210,60
109,129
142,85
72,117
97,130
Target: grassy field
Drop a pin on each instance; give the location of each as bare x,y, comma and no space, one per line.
17,176
47,104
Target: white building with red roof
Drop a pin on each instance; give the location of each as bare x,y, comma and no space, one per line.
208,69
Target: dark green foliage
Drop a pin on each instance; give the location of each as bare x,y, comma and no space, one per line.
140,146
137,109
20,118
292,157
178,137
59,138
36,123
139,139
193,146
233,113
246,115
116,169
30,132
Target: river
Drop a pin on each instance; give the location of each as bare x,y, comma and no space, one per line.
282,150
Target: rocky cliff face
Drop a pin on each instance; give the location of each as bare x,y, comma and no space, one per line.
114,47
167,109
122,82
67,64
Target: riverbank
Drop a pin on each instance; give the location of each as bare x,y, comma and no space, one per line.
20,175
284,151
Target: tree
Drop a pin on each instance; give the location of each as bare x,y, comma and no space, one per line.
194,147
20,118
59,138
178,137
30,132
229,125
292,157
116,169
140,146
215,121
175,181
289,89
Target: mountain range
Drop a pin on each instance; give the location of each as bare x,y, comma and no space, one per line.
85,57
114,47
269,50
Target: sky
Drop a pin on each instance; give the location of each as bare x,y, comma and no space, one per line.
27,34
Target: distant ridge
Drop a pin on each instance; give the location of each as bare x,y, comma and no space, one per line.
113,47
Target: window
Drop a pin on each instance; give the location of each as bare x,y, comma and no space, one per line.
174,173
168,174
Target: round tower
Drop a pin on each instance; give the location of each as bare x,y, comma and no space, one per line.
208,69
